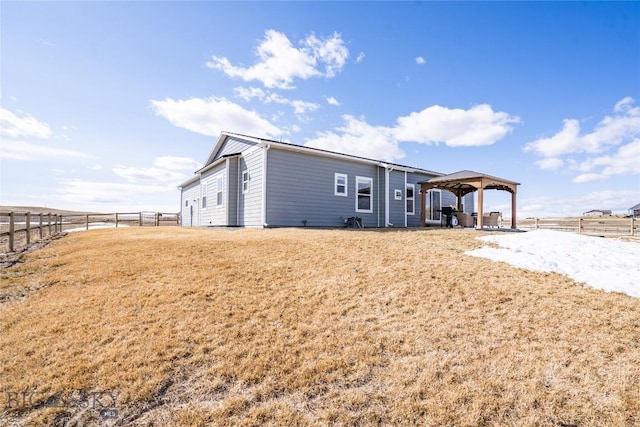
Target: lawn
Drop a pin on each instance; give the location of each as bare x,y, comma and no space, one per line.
175,326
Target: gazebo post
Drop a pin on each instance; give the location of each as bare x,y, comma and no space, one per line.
459,194
423,213
513,208
480,202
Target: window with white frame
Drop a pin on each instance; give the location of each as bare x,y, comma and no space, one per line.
204,195
340,184
410,199
433,203
219,184
245,181
364,194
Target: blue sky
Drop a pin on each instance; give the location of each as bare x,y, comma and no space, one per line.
108,106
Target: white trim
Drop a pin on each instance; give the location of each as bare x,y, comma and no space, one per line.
370,181
238,193
336,176
203,194
264,184
386,197
412,199
242,181
405,200
227,189
219,188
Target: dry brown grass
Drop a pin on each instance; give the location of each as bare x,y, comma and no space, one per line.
311,327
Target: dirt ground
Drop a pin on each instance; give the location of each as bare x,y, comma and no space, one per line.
175,326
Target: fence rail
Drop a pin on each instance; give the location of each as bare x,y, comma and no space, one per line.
613,226
19,229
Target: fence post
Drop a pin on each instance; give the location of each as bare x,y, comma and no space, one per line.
535,223
157,219
632,227
580,226
12,230
49,223
87,222
28,217
178,219
140,218
116,219
40,226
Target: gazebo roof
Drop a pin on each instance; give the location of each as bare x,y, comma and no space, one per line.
467,181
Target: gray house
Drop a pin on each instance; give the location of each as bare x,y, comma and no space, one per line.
255,182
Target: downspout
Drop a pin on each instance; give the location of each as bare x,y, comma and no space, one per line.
387,169
405,199
228,191
238,190
264,185
377,198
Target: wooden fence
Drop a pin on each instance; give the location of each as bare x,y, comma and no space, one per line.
601,226
19,229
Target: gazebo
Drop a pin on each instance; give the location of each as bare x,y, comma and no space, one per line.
465,182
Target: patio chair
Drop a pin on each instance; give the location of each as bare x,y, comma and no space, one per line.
465,220
491,220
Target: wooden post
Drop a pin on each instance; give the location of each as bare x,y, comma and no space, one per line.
157,219
535,223
12,230
178,218
632,227
28,217
40,227
116,219
479,225
140,216
580,226
87,222
49,223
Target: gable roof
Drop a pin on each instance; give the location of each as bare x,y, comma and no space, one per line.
636,207
311,150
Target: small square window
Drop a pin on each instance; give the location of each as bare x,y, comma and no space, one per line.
340,184
245,181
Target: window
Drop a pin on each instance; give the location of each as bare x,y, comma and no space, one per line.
411,204
364,194
340,184
219,183
204,195
433,205
245,181
398,195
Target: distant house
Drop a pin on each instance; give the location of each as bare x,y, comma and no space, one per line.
598,212
255,182
635,211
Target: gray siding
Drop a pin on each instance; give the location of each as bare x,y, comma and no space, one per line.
232,191
396,207
249,213
415,178
301,187
233,146
214,214
190,204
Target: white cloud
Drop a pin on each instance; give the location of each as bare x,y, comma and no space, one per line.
280,62
25,126
267,97
134,174
213,115
359,138
332,101
550,163
177,163
360,57
479,125
455,127
626,161
96,167
21,150
619,201
109,194
420,60
612,130
622,130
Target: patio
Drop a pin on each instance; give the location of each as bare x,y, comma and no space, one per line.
465,182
